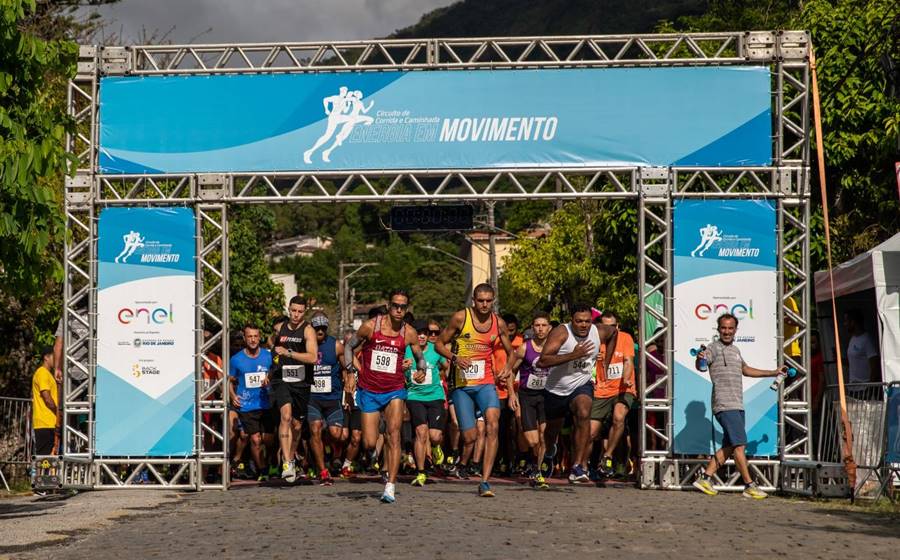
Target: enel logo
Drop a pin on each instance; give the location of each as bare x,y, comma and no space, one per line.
706,310
159,315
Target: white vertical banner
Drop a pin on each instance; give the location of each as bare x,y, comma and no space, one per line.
145,332
725,262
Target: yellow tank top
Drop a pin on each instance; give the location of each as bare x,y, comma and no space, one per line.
478,347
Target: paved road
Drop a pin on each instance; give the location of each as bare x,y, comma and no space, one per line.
447,520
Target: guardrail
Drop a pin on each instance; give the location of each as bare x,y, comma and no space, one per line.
15,439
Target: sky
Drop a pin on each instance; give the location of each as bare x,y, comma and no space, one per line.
260,21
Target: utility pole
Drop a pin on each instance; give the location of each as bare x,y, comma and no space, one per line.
345,294
492,253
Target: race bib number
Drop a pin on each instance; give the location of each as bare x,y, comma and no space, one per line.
254,380
293,374
537,380
475,371
615,371
322,384
384,362
429,375
579,365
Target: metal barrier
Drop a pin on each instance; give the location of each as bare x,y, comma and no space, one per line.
866,409
15,439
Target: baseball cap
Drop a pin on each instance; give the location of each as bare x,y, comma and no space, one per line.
319,321
420,325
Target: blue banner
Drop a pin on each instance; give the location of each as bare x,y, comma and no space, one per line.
698,116
145,332
725,262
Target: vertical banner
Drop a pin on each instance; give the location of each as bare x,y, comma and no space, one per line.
725,262
145,332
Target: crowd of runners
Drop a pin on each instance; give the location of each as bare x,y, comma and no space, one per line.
481,396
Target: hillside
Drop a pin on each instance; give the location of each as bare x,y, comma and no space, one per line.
485,18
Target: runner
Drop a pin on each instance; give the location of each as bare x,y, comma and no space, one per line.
295,353
473,332
325,405
425,402
247,373
382,385
614,390
507,436
530,406
571,353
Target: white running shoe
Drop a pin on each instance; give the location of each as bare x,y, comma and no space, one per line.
388,495
289,472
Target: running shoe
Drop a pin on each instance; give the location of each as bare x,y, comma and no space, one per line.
547,466
540,482
474,470
704,484
384,477
606,467
346,472
288,472
419,480
459,472
387,496
522,467
484,490
325,478
437,455
263,477
752,491
578,475
240,472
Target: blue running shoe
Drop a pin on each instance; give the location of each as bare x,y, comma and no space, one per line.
484,490
578,476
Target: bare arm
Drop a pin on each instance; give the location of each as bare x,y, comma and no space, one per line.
232,395
311,356
442,342
48,400
551,357
517,359
58,358
413,343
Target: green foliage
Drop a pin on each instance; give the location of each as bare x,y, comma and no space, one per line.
254,296
33,125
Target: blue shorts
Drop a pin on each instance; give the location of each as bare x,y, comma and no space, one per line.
376,402
732,422
467,399
329,411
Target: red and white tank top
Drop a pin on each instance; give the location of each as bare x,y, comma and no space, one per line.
382,361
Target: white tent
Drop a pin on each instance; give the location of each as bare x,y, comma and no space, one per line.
871,283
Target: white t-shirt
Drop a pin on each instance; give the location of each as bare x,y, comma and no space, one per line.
860,350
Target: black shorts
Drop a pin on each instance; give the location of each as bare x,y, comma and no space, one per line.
427,412
43,441
294,394
557,406
354,420
253,421
531,405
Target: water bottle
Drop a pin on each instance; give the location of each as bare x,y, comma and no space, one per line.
702,363
779,379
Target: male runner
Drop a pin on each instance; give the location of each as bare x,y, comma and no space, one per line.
726,366
425,401
614,389
325,403
382,385
247,373
295,353
474,332
532,381
507,436
571,353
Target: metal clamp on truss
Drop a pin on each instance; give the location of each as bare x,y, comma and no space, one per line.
78,189
87,62
115,61
758,45
212,186
793,46
654,182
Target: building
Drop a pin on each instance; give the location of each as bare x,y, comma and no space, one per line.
299,246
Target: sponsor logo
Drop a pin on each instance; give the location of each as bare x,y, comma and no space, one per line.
139,342
148,315
713,310
149,251
138,371
725,245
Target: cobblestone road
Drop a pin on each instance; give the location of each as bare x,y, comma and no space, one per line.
447,520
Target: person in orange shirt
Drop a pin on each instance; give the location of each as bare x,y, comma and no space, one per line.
507,434
614,390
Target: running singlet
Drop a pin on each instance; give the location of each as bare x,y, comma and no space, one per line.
250,373
327,382
567,377
288,369
530,376
431,389
478,347
382,361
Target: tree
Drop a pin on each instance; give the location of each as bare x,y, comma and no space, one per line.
254,297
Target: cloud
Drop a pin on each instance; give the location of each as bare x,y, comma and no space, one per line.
261,21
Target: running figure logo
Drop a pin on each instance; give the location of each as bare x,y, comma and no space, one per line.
133,241
708,235
344,111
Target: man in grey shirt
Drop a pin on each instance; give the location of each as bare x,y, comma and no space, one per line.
726,368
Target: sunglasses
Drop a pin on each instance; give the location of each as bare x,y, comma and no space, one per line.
400,306
323,329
